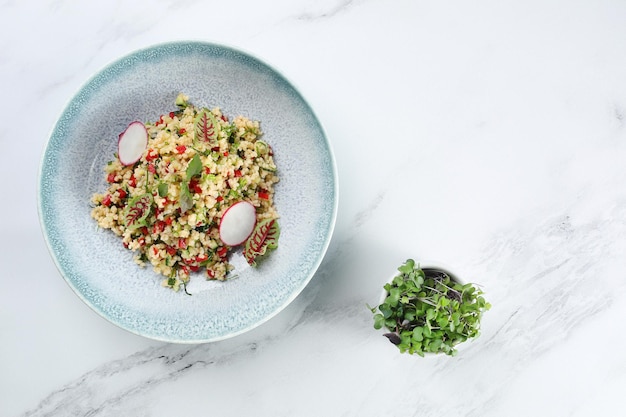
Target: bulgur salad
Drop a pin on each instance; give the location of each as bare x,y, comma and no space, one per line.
176,184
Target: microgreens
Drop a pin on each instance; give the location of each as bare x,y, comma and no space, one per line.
426,311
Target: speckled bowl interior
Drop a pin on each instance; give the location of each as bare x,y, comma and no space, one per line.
142,86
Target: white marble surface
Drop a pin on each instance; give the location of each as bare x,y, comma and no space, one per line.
489,135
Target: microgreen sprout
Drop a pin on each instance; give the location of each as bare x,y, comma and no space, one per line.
427,311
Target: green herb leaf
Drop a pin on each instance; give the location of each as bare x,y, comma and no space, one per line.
418,334
186,200
407,267
394,297
162,189
386,310
194,168
228,131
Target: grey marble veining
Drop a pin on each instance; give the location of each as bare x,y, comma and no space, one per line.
554,265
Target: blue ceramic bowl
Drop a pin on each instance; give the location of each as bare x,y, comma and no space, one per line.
142,86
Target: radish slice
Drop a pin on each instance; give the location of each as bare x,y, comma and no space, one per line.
237,223
132,142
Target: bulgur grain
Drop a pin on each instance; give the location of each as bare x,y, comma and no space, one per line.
178,240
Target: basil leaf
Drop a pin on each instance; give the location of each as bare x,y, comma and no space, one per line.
186,201
194,168
162,189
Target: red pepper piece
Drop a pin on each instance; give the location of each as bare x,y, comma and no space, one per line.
172,114
237,173
159,227
151,168
132,181
219,198
222,251
170,250
181,149
182,243
152,155
168,221
111,177
194,186
182,131
264,195
106,201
